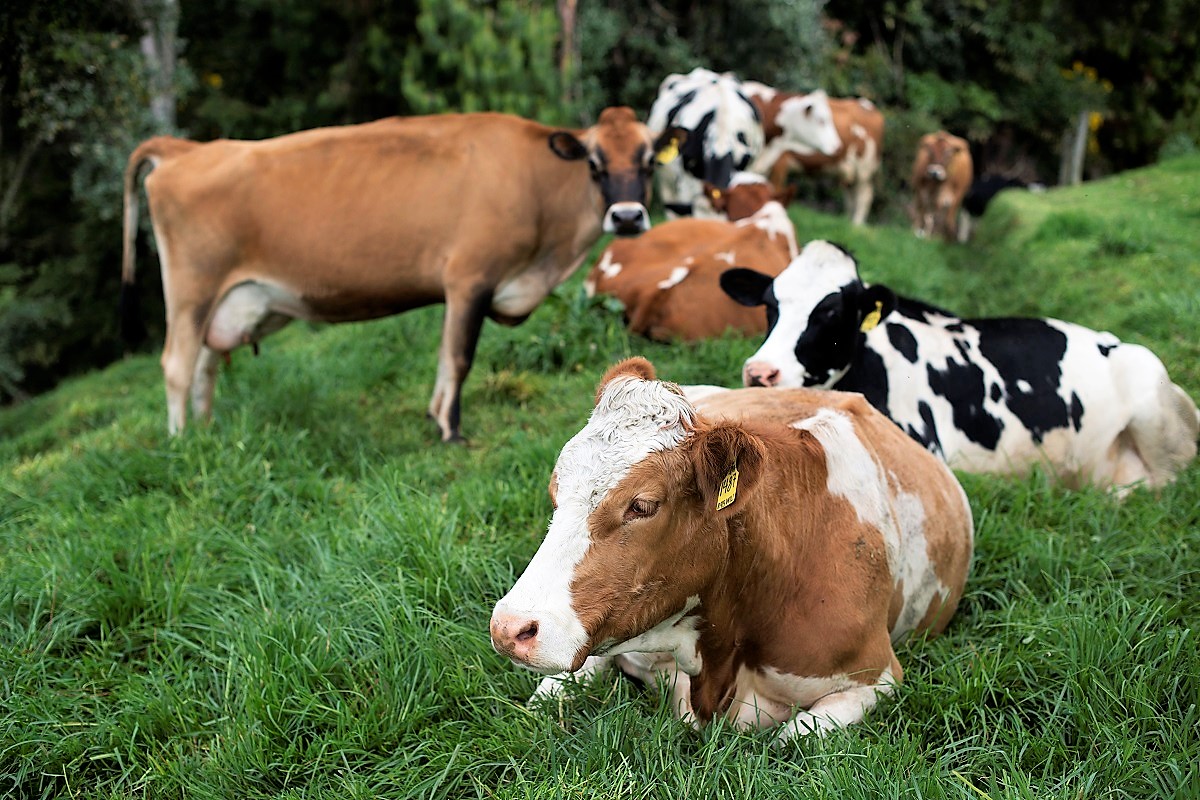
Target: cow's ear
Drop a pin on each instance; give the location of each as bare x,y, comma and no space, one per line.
668,144
716,197
728,463
874,304
746,286
635,367
566,146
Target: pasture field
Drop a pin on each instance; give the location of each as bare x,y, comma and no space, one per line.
293,602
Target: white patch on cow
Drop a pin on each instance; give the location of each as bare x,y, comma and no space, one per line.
677,635
760,90
743,178
773,220
853,472
838,709
632,419
729,257
609,268
675,278
859,131
766,697
910,562
820,270
1023,386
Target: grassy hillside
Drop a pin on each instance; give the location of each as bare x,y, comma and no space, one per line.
294,601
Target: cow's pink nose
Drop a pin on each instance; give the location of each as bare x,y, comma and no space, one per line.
760,373
514,636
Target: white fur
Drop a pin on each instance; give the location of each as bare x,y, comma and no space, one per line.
675,278
632,419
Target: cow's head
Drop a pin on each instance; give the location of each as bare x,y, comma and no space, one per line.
621,155
808,119
938,150
747,193
636,529
817,313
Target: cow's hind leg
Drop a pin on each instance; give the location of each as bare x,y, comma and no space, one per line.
465,312
203,382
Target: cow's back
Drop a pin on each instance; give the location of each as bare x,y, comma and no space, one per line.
931,552
319,201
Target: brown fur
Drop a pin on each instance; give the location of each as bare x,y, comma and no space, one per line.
848,112
936,203
363,221
787,576
695,308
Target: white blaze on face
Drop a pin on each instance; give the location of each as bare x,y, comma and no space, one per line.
820,270
633,419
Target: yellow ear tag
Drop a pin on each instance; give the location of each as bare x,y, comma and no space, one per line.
716,194
872,319
728,491
668,153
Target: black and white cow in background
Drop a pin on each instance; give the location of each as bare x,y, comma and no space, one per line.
724,134
988,395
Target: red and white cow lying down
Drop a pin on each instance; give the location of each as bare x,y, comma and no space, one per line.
860,127
669,278
485,212
988,395
760,554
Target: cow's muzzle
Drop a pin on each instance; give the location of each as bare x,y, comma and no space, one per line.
626,219
937,172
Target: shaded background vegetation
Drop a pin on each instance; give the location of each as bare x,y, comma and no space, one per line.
82,81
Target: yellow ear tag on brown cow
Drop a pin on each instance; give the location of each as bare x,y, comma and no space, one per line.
668,153
872,319
728,491
716,194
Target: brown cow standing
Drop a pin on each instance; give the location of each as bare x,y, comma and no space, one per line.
860,126
486,212
669,278
760,552
941,175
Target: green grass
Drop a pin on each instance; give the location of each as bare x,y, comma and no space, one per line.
293,603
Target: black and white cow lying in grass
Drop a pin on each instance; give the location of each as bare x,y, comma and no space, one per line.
988,395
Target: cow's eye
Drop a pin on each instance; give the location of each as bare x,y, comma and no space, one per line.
641,508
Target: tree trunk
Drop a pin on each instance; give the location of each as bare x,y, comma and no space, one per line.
159,45
568,57
1074,147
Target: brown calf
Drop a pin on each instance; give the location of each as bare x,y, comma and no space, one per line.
761,552
485,212
942,172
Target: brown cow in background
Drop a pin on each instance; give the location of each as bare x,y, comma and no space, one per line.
941,175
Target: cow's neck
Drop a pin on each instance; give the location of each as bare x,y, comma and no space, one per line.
773,575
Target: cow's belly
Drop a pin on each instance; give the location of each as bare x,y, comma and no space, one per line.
766,697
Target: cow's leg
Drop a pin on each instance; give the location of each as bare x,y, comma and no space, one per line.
203,381
839,709
465,312
179,365
859,197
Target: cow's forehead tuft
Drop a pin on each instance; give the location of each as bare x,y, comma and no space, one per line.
632,419
821,268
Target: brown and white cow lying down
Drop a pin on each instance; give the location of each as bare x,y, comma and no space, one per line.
760,554
860,127
669,278
485,212
941,175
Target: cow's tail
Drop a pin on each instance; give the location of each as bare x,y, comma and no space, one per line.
151,151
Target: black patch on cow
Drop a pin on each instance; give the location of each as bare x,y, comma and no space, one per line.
1076,412
1105,349
1031,351
903,340
868,376
962,384
680,104
980,195
919,310
682,209
954,327
692,152
927,438
997,393
831,337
